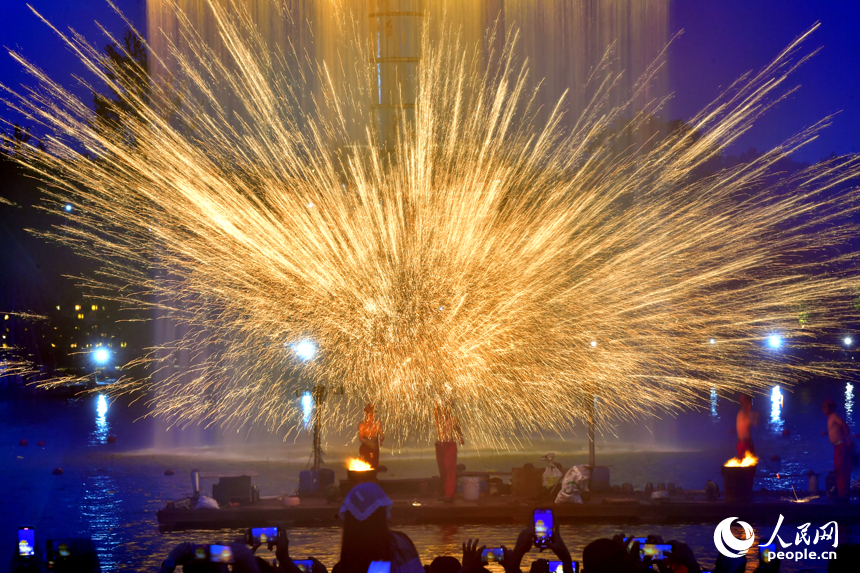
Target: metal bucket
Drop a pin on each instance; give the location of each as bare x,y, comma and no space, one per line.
357,477
738,484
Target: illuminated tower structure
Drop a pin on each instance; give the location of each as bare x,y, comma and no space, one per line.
396,48
564,42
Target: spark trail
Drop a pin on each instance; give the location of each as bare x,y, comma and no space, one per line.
515,267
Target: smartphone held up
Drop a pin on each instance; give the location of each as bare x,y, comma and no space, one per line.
543,527
26,542
493,555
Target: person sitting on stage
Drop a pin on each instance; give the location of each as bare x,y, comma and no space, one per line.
366,536
370,434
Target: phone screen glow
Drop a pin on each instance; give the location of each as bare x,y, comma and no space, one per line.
492,555
26,542
220,554
379,567
264,534
657,552
543,527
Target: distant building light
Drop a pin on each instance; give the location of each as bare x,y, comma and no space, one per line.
101,355
58,307
94,307
77,307
73,345
5,317
53,345
123,344
80,316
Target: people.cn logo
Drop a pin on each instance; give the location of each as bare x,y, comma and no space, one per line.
726,541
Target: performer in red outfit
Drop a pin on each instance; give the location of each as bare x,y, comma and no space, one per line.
746,419
448,434
840,437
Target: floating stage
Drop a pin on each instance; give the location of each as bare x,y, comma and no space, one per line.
409,510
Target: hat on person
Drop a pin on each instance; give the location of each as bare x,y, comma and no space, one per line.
364,499
549,457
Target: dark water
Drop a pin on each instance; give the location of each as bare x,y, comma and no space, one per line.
111,492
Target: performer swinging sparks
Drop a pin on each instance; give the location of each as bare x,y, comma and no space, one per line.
448,433
371,435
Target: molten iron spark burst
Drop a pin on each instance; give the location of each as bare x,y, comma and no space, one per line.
516,269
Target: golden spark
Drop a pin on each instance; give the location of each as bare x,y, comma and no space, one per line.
510,265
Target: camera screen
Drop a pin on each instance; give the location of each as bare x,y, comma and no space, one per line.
765,551
557,567
304,565
543,527
654,551
26,542
58,549
379,567
264,534
493,555
220,554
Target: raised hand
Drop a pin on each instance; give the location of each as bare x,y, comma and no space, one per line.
472,556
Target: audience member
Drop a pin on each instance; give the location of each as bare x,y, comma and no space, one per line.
366,536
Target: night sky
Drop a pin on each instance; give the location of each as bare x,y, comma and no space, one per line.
722,40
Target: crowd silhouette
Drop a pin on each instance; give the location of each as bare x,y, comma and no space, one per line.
369,546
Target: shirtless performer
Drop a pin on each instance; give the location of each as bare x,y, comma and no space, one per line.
370,434
745,421
840,437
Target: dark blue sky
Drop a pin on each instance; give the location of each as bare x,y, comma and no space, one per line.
722,40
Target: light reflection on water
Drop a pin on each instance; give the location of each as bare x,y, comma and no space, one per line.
714,403
101,498
777,401
100,509
100,434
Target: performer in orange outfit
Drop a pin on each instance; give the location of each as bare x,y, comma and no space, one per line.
448,434
370,434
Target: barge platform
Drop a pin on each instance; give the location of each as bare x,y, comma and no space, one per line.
317,512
